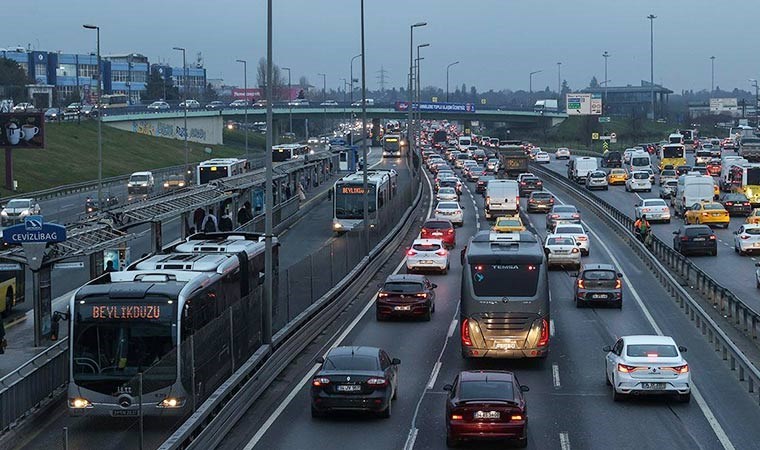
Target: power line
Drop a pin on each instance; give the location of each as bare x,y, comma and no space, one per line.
382,78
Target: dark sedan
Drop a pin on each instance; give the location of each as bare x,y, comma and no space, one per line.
737,204
540,201
562,213
486,405
530,184
355,379
599,284
405,296
695,239
480,186
683,170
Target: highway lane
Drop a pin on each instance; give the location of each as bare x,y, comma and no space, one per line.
733,271
572,408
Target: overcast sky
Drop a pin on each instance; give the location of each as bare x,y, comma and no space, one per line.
497,41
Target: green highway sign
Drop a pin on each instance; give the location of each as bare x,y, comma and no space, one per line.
604,119
574,105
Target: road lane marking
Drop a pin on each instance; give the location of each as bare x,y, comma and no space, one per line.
434,375
717,428
452,328
564,441
410,439
551,327
555,376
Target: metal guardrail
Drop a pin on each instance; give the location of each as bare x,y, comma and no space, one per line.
217,415
736,312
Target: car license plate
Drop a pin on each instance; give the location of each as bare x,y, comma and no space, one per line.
348,388
402,308
427,261
699,239
599,296
437,234
505,344
487,415
653,386
124,412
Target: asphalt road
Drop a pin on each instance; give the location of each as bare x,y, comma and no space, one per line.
569,404
733,271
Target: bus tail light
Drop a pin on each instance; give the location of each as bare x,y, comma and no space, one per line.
466,338
543,339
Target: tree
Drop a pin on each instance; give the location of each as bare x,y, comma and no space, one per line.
565,89
594,83
157,87
12,80
277,78
303,82
210,94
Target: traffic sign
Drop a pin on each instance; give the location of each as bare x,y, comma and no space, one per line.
595,136
604,119
482,101
582,104
34,229
69,265
12,267
605,146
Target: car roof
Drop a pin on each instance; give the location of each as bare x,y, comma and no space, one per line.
598,267
405,277
648,339
350,350
700,227
427,241
486,375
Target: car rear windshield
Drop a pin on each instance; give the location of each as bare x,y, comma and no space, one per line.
486,390
505,280
752,231
448,206
566,229
426,247
698,231
541,196
599,275
403,287
640,175
651,350
508,223
668,173
437,225
565,209
559,241
351,362
717,206
446,190
598,175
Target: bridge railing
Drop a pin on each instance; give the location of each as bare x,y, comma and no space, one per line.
666,264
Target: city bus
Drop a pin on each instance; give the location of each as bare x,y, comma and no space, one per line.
286,152
348,201
161,324
12,287
675,138
745,178
672,154
216,168
114,101
392,145
689,138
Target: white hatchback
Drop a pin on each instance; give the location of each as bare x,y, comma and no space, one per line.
450,211
655,209
647,365
562,153
427,254
577,232
638,181
447,194
747,239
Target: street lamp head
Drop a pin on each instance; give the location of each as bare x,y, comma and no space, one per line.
241,61
91,27
651,17
419,24
178,48
423,45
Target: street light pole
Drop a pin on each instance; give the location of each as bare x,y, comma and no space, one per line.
351,95
757,94
100,123
365,165
245,113
712,74
290,103
410,121
324,99
651,18
606,55
419,110
447,78
184,100
559,84
268,193
530,77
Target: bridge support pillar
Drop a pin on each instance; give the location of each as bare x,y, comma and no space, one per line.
468,126
156,239
375,132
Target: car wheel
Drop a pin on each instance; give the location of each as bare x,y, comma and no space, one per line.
432,306
523,441
714,252
606,188
379,317
395,393
619,304
684,398
667,221
428,314
606,376
741,252
386,413
451,442
586,252
616,396
579,303
316,414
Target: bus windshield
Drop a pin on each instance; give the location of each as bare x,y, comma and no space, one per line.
672,152
505,280
114,340
391,144
349,201
753,176
206,174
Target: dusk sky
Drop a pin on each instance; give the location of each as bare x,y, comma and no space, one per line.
497,41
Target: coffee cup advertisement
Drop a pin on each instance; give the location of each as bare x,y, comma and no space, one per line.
22,130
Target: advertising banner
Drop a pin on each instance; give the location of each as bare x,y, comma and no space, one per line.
22,130
438,107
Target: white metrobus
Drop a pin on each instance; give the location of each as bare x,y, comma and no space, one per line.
348,201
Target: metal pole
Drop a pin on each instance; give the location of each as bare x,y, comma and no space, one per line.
559,83
268,194
410,120
65,438
324,99
651,18
351,95
712,74
140,406
100,126
530,80
290,107
364,139
447,78
245,113
184,101
606,55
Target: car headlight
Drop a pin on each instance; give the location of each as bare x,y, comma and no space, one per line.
79,403
337,225
181,184
171,402
166,184
4,213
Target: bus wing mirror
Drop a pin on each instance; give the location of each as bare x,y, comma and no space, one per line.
320,360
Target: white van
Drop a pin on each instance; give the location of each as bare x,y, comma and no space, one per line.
640,160
502,198
140,183
581,167
464,143
692,189
726,162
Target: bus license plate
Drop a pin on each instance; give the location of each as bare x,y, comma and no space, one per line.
124,413
506,344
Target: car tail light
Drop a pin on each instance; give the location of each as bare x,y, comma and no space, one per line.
543,340
466,338
729,203
712,237
684,238
531,200
522,183
575,216
488,199
581,284
377,381
516,417
421,295
574,250
555,216
618,283
411,253
681,369
320,381
623,368
383,294
744,236
582,238
746,203
551,200
456,417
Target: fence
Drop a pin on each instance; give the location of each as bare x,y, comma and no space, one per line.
661,255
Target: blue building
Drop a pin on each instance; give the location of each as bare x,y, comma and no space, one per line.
128,75
195,84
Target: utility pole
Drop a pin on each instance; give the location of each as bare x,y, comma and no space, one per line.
381,78
419,99
100,114
447,78
651,18
245,113
530,78
290,105
351,95
184,100
324,98
606,55
410,120
266,332
559,84
365,165
712,74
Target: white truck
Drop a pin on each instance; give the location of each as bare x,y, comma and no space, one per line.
581,166
640,160
502,198
692,189
464,143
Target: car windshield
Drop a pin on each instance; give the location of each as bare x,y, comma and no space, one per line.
350,362
426,247
565,209
486,390
405,287
18,204
558,240
651,351
606,275
713,206
138,178
443,205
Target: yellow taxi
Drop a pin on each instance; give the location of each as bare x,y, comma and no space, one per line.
617,176
509,224
716,189
708,213
754,216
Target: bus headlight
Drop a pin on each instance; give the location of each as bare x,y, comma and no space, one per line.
171,402
79,403
337,226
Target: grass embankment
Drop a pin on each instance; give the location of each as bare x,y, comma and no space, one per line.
71,155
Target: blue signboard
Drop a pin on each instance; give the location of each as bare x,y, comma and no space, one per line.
34,229
438,107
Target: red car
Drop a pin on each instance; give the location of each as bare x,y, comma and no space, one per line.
486,405
714,167
440,229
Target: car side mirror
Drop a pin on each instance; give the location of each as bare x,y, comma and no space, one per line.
461,254
736,232
574,274
757,264
434,285
676,232
462,208
320,360
395,361
448,387
524,388
607,348
682,349
620,275
638,205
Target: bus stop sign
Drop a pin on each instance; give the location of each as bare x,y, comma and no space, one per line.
34,229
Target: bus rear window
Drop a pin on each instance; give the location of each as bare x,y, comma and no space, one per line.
505,280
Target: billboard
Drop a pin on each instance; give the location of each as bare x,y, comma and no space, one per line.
724,105
22,130
437,107
254,94
579,104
